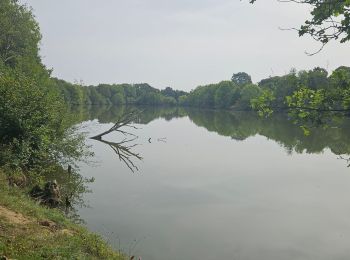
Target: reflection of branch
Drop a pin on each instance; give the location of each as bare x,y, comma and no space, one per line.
125,120
346,159
124,152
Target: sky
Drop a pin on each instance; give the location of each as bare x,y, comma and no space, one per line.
176,43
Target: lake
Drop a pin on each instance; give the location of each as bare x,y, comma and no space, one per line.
220,185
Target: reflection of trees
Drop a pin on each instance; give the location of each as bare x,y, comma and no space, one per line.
225,123
106,114
236,125
151,113
241,125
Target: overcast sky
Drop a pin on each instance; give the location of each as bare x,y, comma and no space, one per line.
177,43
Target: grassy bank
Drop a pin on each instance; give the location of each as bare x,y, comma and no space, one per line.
30,231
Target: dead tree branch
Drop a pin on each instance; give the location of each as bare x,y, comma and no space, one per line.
123,121
124,152
122,149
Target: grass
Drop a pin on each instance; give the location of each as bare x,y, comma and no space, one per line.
29,231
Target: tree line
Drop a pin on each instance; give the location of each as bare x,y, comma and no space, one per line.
309,89
310,97
116,94
235,94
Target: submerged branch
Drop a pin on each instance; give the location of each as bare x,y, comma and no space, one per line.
124,152
124,121
122,149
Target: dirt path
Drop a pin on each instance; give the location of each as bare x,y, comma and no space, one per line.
13,217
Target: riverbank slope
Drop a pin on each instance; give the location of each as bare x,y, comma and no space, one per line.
30,231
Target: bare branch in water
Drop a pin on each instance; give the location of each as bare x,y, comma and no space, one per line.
124,152
123,149
345,159
124,121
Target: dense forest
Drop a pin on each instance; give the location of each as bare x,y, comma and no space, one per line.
313,89
116,94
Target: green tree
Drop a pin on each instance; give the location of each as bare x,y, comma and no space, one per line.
32,124
313,98
241,78
169,92
314,79
183,100
118,98
203,96
19,39
340,78
96,98
248,93
226,94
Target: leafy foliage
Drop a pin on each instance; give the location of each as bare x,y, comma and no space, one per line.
116,94
262,103
234,94
311,97
241,78
248,93
330,20
34,125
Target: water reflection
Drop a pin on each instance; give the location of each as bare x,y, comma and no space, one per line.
206,194
240,126
106,114
123,149
73,188
124,152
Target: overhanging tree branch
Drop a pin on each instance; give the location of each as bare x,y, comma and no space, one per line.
330,21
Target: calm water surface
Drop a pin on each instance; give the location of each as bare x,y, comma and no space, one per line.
221,185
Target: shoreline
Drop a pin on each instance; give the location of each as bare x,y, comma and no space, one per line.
31,231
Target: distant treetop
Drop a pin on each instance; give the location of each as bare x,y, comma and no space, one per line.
241,78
